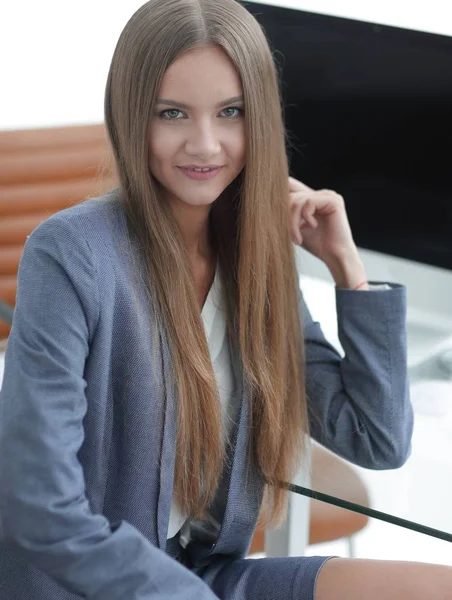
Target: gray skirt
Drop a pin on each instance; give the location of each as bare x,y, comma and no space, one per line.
291,578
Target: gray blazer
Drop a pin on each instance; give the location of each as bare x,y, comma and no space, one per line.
87,419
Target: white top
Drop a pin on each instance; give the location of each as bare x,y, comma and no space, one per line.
214,317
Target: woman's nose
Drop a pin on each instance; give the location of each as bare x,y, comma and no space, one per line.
203,141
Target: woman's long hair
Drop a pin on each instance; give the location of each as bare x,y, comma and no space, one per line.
250,230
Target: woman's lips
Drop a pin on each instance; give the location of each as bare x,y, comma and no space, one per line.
200,175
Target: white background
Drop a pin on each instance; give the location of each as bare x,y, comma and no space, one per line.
54,55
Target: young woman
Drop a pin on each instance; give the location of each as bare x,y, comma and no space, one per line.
162,369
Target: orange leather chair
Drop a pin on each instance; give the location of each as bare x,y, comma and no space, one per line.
43,171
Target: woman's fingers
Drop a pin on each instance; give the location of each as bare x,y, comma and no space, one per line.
318,220
307,212
297,222
304,209
308,206
297,187
323,202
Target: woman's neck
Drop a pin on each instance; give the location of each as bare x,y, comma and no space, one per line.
193,222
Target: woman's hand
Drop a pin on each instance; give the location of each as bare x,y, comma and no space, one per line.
319,224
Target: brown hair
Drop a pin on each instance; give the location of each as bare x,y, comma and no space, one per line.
250,230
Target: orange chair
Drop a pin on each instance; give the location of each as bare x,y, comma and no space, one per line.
41,172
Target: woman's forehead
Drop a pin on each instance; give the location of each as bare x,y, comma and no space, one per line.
202,76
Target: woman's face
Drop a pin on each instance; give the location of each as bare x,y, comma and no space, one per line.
198,123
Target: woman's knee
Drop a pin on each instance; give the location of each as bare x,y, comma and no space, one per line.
350,579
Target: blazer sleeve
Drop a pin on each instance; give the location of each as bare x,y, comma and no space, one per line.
45,514
359,405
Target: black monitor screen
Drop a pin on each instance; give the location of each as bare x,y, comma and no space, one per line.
368,109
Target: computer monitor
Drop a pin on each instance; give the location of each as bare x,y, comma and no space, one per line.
368,110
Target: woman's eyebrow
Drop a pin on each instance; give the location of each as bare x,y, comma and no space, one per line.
168,102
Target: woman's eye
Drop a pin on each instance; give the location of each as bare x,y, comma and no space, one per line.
170,114
230,111
173,114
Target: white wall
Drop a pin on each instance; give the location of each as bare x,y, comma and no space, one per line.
54,55
58,55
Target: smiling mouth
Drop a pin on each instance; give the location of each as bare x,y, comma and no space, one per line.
200,173
201,169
